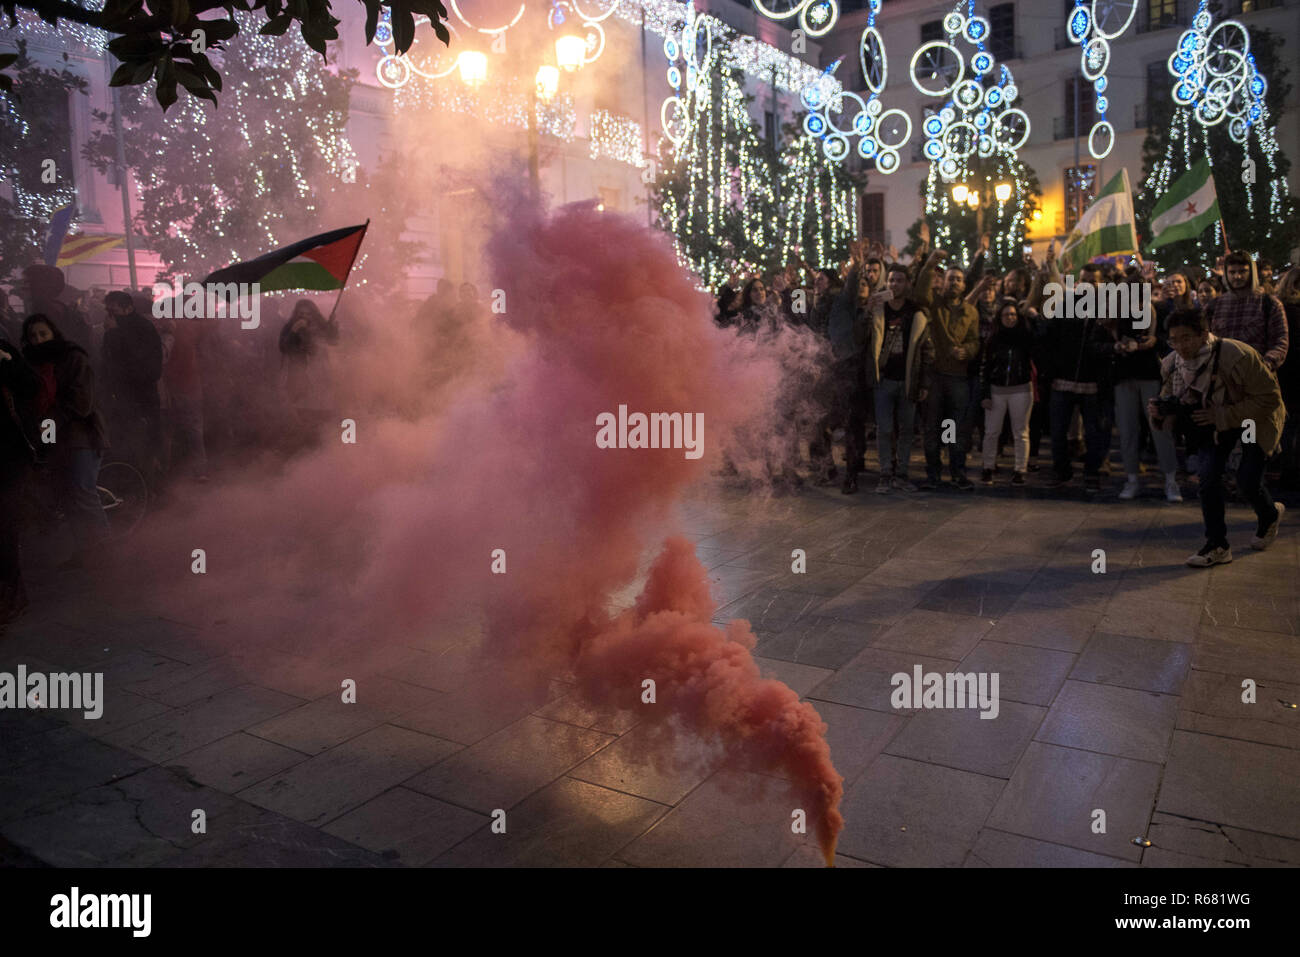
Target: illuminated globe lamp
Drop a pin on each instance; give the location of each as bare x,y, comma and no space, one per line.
959,193
548,81
472,65
570,51
1002,191
973,199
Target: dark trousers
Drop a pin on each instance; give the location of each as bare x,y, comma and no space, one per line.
1090,408
11,496
949,399
1211,463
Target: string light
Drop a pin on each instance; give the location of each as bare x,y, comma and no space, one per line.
616,136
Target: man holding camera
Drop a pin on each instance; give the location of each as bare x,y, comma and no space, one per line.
1219,391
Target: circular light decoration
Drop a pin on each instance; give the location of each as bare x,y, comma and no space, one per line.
1111,18
829,103
871,57
1101,139
394,70
816,17
1215,74
1093,26
940,65
887,161
972,121
690,46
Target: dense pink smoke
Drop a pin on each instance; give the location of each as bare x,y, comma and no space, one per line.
365,544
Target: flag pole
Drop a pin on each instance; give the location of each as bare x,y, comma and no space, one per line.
355,253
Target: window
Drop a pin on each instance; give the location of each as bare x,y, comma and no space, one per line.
1162,13
1080,191
873,217
932,31
1002,31
1087,107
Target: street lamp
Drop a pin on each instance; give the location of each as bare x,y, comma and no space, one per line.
959,193
473,67
973,199
570,51
1002,191
548,81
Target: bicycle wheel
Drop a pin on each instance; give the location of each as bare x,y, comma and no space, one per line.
124,496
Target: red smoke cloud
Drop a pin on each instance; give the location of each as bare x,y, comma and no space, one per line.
359,545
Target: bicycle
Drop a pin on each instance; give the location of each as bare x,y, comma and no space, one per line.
124,496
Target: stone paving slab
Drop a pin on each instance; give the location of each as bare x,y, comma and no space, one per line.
1118,691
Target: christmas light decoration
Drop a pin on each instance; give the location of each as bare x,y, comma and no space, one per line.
717,191
816,17
973,141
616,136
881,133
1252,181
819,214
1093,27
1216,76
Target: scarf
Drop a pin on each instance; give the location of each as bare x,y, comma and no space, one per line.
1195,374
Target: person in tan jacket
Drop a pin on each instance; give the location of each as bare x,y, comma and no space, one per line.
1221,392
899,357
955,330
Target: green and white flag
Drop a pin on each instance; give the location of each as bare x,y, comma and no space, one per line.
1188,207
1107,228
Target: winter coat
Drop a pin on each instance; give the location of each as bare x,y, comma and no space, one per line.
1076,350
1008,358
18,386
133,360
1242,387
920,352
953,323
78,424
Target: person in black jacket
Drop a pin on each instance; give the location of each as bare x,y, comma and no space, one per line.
1006,387
133,362
70,425
1078,353
18,387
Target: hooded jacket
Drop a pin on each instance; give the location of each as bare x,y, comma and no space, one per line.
1253,317
1242,387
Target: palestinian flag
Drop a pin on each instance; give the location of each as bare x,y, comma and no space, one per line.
1188,208
321,262
77,248
1107,227
58,231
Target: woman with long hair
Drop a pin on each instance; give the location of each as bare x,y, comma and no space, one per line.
65,407
1006,383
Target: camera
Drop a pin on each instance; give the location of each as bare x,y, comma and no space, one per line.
1168,407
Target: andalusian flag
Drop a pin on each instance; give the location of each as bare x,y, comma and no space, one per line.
1188,207
1107,228
321,262
77,248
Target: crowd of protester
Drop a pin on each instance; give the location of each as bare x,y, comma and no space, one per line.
89,377
986,364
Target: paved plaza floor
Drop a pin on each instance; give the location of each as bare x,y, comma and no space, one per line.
1120,692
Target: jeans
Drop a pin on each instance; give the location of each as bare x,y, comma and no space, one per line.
894,407
1017,405
1131,397
1090,409
1211,463
973,420
949,399
86,514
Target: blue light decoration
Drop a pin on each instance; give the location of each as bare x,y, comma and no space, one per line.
1093,26
826,100
1216,74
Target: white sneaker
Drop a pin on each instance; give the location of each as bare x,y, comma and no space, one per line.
882,486
1172,492
1210,555
1261,542
1130,489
